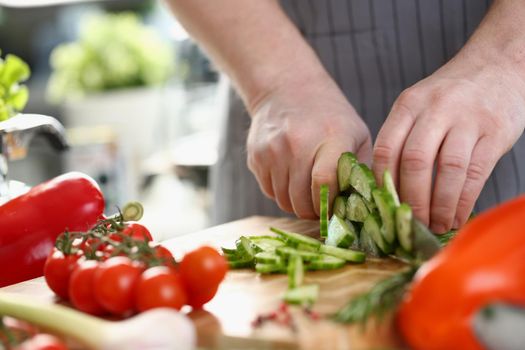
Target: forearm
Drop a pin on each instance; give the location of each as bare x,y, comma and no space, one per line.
253,42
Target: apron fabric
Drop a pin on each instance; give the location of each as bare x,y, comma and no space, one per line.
373,49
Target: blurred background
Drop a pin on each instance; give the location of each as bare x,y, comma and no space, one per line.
141,104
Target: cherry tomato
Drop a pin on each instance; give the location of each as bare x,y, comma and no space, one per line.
163,253
81,287
114,284
202,270
57,272
159,286
137,231
42,342
197,299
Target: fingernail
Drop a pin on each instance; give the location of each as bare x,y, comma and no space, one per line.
455,225
437,228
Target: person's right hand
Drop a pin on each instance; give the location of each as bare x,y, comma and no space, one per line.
295,139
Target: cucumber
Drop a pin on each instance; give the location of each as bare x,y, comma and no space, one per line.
344,168
268,258
234,257
288,252
323,216
367,244
240,264
371,205
229,251
326,262
388,184
296,238
270,268
373,228
306,294
266,243
356,209
401,253
362,180
425,244
404,226
386,207
345,254
339,207
244,248
340,234
306,248
295,271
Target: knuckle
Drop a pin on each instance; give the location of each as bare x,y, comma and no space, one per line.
414,160
382,153
476,172
453,163
407,96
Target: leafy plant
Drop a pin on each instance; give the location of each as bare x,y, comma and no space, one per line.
13,95
113,51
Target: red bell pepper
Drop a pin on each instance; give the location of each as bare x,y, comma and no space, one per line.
485,263
30,224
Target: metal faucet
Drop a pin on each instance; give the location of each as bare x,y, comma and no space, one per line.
16,134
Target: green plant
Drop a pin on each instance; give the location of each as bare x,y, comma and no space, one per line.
13,95
113,51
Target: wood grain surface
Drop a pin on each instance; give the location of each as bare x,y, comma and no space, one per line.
226,322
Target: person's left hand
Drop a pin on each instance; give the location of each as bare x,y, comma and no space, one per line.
462,119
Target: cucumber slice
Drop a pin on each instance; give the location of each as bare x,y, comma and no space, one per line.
295,272
425,244
233,257
388,184
339,208
344,168
340,234
373,228
244,248
346,254
268,258
296,238
270,268
362,180
404,226
326,262
306,294
356,209
288,252
386,207
240,264
229,251
266,243
323,217
367,244
306,248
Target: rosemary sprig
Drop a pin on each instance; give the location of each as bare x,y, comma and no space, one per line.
380,299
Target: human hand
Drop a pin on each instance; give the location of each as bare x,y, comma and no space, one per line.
297,134
462,119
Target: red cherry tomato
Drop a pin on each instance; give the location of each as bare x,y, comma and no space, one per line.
197,299
163,253
81,287
137,231
115,281
42,342
159,286
202,270
57,272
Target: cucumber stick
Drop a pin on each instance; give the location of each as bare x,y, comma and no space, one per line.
356,209
386,207
306,294
268,258
344,169
323,210
270,268
296,238
240,264
404,226
326,262
295,272
288,252
345,254
388,184
244,248
362,180
372,226
340,233
339,207
266,243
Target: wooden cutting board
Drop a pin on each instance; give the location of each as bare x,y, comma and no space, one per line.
226,322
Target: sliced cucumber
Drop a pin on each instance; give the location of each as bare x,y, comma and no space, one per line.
229,251
346,254
340,234
339,208
306,294
326,262
240,264
362,180
288,252
306,247
373,228
386,207
270,268
266,243
388,184
296,238
244,248
403,254
295,271
268,258
344,169
323,217
425,244
356,209
367,244
404,226
233,257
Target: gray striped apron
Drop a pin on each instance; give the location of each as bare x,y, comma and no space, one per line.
373,49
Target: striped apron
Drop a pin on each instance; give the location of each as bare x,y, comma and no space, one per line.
373,49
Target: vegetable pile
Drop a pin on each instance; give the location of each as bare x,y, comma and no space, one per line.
115,268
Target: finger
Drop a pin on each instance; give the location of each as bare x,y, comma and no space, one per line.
299,188
484,158
416,165
280,182
453,161
364,152
324,171
390,140
263,177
